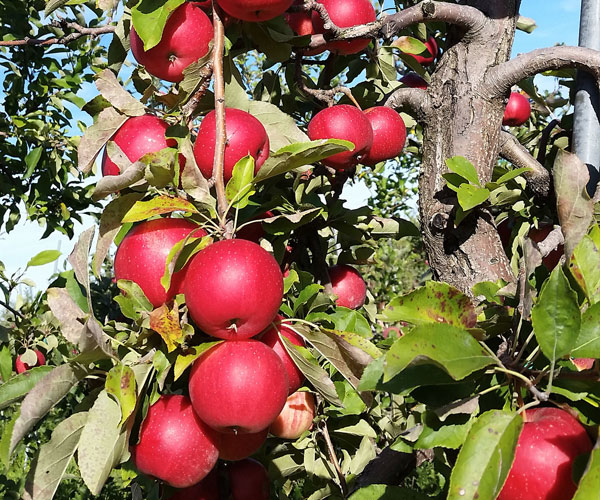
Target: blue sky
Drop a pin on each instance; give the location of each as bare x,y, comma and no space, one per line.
557,20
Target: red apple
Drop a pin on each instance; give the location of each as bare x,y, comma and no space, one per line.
207,489
429,55
137,137
343,122
348,285
272,339
414,81
233,289
389,134
21,367
142,256
583,363
245,136
238,386
553,258
296,417
517,110
255,10
238,446
254,231
550,441
248,480
175,445
185,39
345,13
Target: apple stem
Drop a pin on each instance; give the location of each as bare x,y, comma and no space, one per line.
221,135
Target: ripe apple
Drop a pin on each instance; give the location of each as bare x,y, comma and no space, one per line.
296,417
429,55
343,122
553,258
254,231
517,110
21,367
175,445
583,363
345,13
414,81
389,134
255,10
142,256
271,337
348,285
245,136
137,137
207,489
550,441
233,289
238,446
238,386
248,480
185,39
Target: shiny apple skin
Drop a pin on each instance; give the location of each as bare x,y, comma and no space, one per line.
517,110
234,447
142,256
246,135
271,338
175,445
345,13
248,480
414,81
550,441
389,134
21,367
233,281
238,386
343,122
185,39
348,285
296,417
425,58
255,10
137,137
207,489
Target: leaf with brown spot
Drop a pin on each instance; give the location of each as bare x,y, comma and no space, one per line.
166,323
160,205
120,383
433,303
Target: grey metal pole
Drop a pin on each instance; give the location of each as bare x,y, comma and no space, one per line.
586,132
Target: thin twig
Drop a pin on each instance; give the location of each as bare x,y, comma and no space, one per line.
327,96
12,310
189,109
79,31
333,458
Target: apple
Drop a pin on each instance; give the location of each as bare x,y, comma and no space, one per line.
238,446
248,480
517,110
142,256
255,10
550,441
238,386
254,231
538,235
137,137
296,417
207,489
271,338
185,39
344,14
233,289
343,122
245,136
428,56
414,81
389,134
583,363
348,285
21,367
175,445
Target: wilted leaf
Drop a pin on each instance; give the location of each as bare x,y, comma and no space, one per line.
120,383
112,91
69,315
166,323
100,337
192,180
79,261
96,137
110,184
159,205
18,386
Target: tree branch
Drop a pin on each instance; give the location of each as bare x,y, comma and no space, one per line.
12,310
412,100
189,109
501,78
469,18
78,32
538,178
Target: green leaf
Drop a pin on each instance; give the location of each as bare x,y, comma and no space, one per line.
120,383
362,428
240,186
51,464
486,457
526,24
132,301
159,205
52,5
44,257
451,348
31,160
102,443
589,485
17,387
587,344
446,436
512,174
585,268
556,317
149,18
184,361
470,196
433,303
409,45
385,492
5,365
463,167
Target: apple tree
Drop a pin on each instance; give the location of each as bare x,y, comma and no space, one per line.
234,320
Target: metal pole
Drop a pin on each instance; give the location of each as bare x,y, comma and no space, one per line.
586,132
